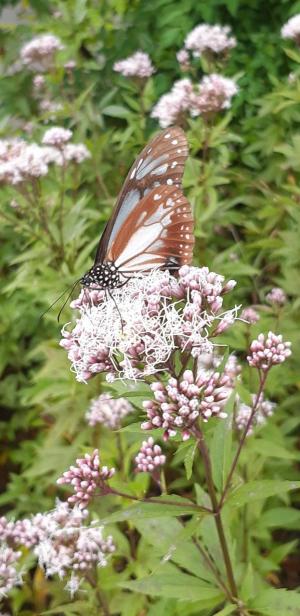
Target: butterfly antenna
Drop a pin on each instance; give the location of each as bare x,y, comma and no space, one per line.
57,300
73,287
116,305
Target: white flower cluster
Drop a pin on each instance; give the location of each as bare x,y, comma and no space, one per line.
137,65
108,411
216,39
214,93
38,55
21,161
133,333
291,30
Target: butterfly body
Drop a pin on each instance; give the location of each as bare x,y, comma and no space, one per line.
152,225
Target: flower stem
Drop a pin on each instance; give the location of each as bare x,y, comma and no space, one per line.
218,520
263,378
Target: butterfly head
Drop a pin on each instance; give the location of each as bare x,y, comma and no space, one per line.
102,276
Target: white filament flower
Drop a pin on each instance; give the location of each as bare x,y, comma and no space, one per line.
133,333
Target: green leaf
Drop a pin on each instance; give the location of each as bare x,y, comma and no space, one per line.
259,490
269,449
189,460
272,602
156,509
226,610
174,585
116,111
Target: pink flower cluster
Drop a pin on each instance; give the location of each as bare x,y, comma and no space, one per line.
156,315
38,55
212,94
9,576
264,409
21,161
277,297
206,38
150,457
268,351
85,478
59,539
108,411
138,65
291,30
250,315
179,404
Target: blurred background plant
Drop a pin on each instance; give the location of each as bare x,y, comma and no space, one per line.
60,67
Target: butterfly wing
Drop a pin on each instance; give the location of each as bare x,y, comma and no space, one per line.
158,233
160,162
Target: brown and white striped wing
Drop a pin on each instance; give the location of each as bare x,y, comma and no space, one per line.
160,163
158,233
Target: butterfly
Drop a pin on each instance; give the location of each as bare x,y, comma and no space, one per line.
151,226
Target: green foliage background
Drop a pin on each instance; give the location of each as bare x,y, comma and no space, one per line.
246,200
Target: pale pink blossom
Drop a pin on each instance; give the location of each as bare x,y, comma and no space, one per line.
150,457
250,315
268,351
276,296
213,94
137,65
38,82
264,409
184,59
291,29
9,576
204,37
172,105
108,411
86,478
178,405
39,53
56,136
76,152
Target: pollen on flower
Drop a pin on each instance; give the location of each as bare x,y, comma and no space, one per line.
137,65
156,315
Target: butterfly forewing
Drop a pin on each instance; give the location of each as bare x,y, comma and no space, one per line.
157,233
160,163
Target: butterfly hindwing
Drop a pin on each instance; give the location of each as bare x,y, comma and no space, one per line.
160,163
157,233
